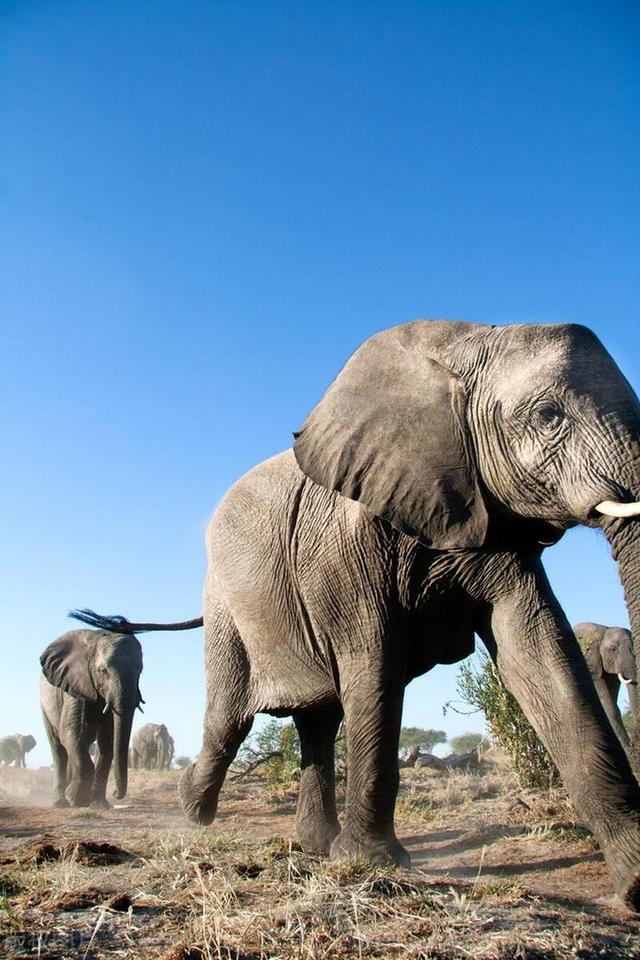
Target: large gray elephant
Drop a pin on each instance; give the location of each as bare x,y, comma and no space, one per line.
611,659
412,514
13,749
152,748
89,691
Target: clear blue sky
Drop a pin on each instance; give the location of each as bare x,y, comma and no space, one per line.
205,206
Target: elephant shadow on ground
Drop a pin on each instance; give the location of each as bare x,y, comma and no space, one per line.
427,854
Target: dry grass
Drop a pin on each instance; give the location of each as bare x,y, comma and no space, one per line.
196,894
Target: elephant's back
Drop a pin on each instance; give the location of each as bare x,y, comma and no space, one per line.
258,520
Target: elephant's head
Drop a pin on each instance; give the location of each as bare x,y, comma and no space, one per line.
104,668
468,436
28,742
609,653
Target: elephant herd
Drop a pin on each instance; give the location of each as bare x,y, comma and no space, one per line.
409,517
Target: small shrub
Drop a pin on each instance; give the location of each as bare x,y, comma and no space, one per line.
480,686
182,762
274,752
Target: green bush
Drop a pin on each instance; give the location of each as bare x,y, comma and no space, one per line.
480,686
273,750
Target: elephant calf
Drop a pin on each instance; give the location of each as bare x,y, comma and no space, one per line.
611,659
14,748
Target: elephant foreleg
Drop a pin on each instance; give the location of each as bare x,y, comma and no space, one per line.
79,728
103,761
59,756
371,694
316,817
541,664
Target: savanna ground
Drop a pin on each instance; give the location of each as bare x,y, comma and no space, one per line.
497,873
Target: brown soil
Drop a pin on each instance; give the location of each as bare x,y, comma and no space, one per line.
497,873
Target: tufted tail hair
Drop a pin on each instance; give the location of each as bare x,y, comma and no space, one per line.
118,624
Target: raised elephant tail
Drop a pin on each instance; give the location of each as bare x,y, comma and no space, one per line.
122,625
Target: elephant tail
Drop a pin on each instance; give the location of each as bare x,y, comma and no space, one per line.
122,625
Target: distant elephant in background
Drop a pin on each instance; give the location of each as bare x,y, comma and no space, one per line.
14,748
152,748
89,690
611,659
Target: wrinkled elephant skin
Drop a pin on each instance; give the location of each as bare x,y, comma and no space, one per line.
411,515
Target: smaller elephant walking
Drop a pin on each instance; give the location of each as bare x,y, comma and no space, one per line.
610,656
152,748
89,690
14,748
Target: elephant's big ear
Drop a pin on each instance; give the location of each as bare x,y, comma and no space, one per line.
391,433
65,664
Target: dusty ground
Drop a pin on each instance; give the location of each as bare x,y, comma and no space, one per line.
497,873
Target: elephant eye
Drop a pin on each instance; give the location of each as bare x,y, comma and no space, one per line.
548,416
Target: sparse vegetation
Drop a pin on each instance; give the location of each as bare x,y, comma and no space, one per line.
274,750
182,762
140,882
480,686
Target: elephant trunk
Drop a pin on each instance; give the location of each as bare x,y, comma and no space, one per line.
624,537
122,722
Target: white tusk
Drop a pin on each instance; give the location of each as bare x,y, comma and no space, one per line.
624,679
107,707
611,508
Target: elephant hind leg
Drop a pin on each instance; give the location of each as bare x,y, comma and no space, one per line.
317,823
228,718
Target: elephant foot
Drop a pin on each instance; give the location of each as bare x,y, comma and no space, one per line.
630,894
623,862
199,801
381,850
317,837
61,803
100,803
79,792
